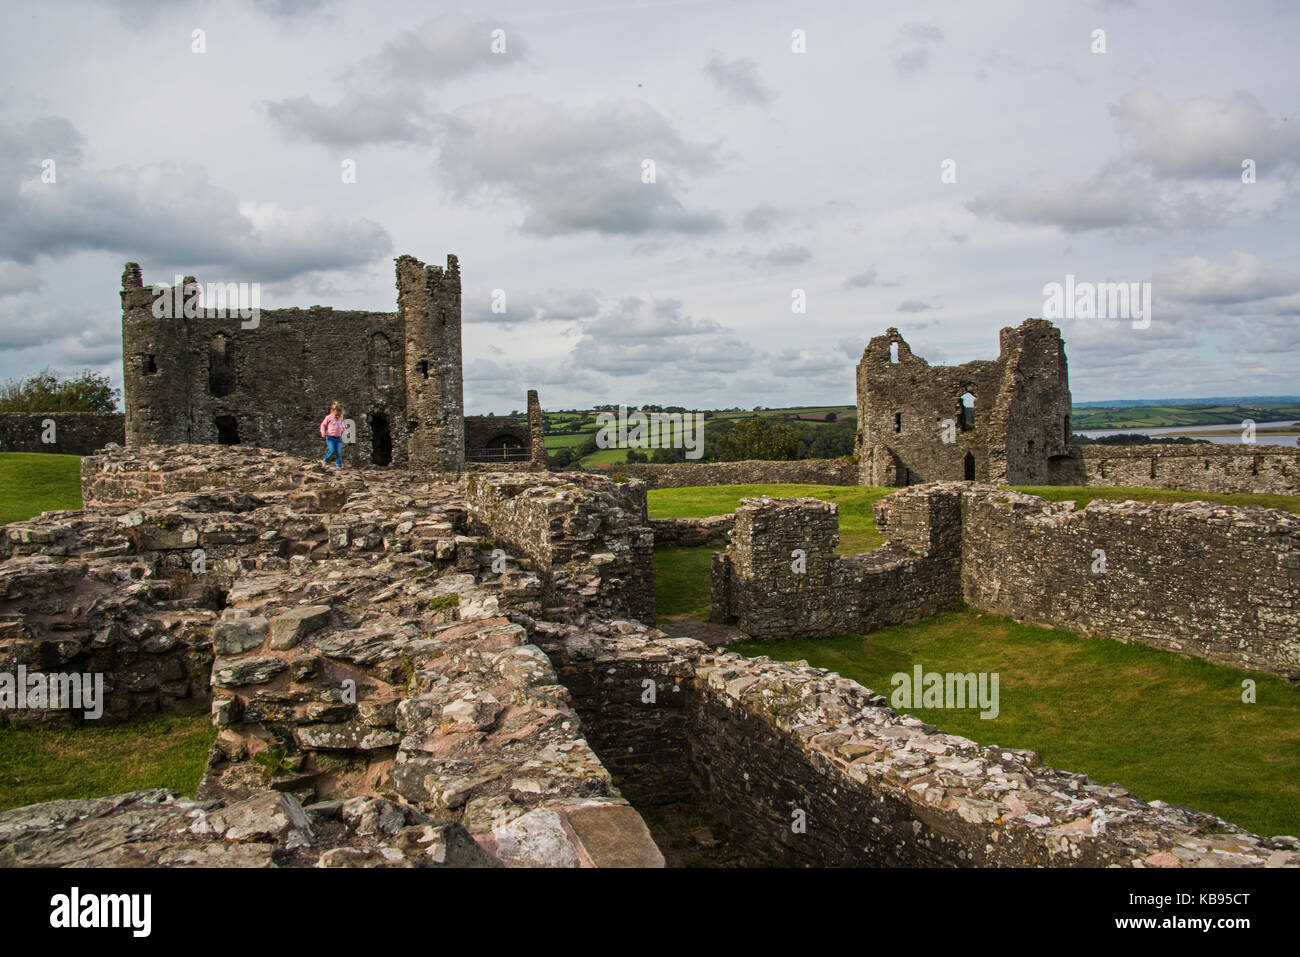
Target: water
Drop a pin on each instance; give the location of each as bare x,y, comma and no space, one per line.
1231,433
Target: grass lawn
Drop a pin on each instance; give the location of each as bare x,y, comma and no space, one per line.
682,583
857,526
35,482
99,759
1164,727
566,441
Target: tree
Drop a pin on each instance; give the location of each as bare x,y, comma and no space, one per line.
45,392
831,416
634,456
757,438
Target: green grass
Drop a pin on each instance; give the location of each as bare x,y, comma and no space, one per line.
857,526
604,457
1162,726
682,583
35,482
554,442
99,759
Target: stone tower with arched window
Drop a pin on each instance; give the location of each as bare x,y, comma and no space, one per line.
197,369
1002,421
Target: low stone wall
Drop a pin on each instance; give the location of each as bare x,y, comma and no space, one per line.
692,532
781,577
806,768
71,433
1209,581
1212,581
1271,469
751,472
811,769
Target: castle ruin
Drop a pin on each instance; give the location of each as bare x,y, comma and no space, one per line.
212,378
1002,422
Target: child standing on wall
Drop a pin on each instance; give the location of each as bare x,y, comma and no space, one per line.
331,428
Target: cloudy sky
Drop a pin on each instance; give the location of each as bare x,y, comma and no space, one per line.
777,174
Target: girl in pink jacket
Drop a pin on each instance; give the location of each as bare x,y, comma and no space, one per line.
331,428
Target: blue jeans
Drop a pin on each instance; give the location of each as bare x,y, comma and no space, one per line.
334,446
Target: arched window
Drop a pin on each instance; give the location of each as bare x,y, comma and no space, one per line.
221,366
893,352
967,410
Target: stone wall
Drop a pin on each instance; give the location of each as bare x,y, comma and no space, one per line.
588,536
780,577
750,472
1211,581
74,433
692,532
1259,469
806,768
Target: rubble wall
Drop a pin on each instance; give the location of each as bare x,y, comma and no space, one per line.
74,433
1260,469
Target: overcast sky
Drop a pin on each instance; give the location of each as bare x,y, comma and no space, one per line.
775,171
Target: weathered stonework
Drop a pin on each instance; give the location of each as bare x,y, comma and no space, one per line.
213,380
1019,421
74,433
1209,581
424,669
490,438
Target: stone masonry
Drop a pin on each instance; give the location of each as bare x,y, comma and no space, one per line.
1209,581
424,669
914,428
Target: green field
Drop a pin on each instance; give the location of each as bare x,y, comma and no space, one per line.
35,482
1162,416
1164,727
96,760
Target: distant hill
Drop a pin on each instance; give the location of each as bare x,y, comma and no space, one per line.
1217,400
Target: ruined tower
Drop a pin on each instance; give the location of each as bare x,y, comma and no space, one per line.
428,305
155,367
266,377
1005,421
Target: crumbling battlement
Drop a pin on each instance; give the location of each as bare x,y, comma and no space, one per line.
1210,581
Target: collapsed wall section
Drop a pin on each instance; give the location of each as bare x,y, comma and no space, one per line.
587,536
